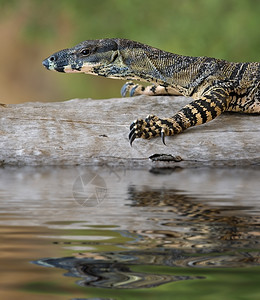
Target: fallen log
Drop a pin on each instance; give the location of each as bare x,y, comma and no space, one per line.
95,132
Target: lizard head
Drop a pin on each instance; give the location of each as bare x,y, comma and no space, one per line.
99,57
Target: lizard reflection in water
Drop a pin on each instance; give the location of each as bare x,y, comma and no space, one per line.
193,234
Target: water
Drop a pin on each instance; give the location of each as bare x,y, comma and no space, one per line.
105,233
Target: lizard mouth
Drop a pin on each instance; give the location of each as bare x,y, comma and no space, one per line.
79,68
53,64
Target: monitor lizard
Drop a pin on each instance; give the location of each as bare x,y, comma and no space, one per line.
216,85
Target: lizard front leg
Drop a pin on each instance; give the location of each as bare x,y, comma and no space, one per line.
211,104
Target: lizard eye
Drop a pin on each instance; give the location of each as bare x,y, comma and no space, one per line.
85,51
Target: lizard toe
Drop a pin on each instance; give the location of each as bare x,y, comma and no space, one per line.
136,129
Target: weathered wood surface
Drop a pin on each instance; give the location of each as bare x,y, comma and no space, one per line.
90,132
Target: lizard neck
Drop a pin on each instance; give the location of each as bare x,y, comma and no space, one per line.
184,73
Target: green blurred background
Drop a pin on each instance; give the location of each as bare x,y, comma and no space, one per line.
31,30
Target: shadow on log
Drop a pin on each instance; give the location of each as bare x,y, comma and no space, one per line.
95,132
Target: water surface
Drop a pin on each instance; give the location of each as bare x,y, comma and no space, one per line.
105,233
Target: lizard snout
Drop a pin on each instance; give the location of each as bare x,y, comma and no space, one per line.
46,63
49,62
54,63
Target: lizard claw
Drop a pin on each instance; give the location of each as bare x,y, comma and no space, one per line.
132,91
163,136
123,90
132,136
126,88
135,131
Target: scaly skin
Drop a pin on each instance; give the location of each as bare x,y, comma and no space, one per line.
215,85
